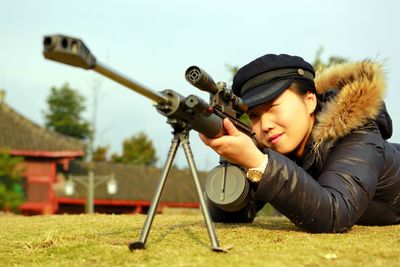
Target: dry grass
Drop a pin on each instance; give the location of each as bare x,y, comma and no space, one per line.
182,240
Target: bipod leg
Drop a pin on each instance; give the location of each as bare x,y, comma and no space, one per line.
206,214
156,198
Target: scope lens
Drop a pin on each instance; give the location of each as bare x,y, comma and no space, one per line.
193,75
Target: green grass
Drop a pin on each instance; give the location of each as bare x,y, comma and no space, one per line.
182,240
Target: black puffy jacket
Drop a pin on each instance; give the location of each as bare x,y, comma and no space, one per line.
349,173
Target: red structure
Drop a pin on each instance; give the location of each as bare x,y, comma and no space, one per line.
41,176
44,152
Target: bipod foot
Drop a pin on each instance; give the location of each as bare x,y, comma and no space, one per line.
219,249
136,245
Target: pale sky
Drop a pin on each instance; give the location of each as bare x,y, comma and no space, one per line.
154,42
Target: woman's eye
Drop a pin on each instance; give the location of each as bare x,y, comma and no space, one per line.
253,117
274,105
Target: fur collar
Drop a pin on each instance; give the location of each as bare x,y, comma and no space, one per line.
361,89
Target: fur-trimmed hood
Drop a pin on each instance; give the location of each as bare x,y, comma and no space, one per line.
361,88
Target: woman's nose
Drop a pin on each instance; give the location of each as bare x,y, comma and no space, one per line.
266,123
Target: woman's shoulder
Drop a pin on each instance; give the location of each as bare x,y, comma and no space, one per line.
357,101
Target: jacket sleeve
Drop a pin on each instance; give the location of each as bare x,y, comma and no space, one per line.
334,201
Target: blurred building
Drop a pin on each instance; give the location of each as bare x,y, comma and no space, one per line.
51,158
136,186
44,152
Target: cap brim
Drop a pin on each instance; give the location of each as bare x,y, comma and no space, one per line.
265,92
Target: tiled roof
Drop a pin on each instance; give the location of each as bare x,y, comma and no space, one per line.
18,133
138,182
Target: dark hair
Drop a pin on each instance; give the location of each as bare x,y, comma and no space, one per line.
301,87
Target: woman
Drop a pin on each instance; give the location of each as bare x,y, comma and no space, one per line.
326,163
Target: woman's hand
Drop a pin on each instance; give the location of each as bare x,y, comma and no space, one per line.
235,146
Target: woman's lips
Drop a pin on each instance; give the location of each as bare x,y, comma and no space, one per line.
274,139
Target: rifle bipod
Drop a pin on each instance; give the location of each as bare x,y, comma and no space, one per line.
180,136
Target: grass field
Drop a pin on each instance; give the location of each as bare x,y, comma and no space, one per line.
182,240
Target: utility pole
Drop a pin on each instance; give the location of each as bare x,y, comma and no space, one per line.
91,182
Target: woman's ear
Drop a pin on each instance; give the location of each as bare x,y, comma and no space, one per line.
311,102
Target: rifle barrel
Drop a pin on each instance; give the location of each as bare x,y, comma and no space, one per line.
135,86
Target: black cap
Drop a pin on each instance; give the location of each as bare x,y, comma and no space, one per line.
268,76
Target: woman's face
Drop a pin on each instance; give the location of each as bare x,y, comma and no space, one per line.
285,123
